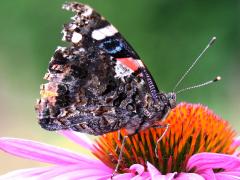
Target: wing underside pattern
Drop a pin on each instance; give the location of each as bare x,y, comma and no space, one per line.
98,84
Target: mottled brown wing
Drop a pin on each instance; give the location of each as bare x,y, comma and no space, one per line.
89,89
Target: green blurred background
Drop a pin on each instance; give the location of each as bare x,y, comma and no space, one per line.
168,35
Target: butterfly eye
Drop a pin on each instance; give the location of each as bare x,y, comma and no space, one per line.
172,103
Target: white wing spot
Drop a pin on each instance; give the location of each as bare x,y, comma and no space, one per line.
76,37
102,33
72,27
64,35
98,35
88,11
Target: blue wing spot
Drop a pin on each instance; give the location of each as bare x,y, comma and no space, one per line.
112,46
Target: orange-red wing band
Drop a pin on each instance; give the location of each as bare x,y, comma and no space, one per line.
130,63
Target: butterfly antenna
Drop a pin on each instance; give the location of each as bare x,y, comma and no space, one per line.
211,42
218,78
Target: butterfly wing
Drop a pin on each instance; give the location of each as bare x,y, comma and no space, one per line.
98,84
94,31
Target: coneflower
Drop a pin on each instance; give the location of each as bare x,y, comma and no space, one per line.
198,145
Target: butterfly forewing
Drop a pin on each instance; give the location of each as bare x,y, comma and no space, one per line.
97,84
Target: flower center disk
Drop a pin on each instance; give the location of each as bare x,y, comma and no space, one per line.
193,129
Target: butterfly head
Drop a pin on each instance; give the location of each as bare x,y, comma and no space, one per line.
172,99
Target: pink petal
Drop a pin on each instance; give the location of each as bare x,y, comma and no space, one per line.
79,138
226,177
137,173
25,173
59,172
237,153
156,175
208,174
143,176
168,176
137,168
125,176
76,172
146,175
45,153
152,170
204,161
236,141
189,176
230,173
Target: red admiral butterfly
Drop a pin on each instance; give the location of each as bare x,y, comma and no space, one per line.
98,84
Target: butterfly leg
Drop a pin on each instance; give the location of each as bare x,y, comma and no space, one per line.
120,155
119,138
165,116
166,126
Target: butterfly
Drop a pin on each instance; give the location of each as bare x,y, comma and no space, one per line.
98,83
